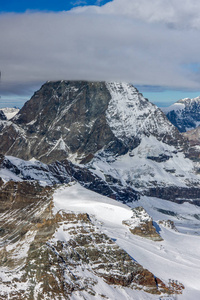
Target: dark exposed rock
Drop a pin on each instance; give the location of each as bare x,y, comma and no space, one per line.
69,113
2,116
80,121
106,259
92,182
168,224
176,194
160,158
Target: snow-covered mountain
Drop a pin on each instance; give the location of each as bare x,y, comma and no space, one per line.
73,150
9,112
184,114
76,119
111,128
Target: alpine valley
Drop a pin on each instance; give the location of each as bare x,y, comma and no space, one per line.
99,197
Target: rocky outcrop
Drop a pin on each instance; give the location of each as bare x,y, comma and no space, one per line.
176,194
142,224
61,119
18,195
2,116
168,224
193,137
46,256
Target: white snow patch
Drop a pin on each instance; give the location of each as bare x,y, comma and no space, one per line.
10,112
176,106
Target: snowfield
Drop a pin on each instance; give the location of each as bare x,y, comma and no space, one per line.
177,257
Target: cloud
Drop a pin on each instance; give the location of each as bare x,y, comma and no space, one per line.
78,2
185,14
101,45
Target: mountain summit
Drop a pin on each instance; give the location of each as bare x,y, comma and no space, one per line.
76,119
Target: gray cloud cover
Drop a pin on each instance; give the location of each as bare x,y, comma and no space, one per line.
135,41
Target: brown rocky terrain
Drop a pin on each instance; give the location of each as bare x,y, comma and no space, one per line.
38,264
142,224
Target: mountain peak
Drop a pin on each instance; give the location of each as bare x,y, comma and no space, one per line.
184,114
76,119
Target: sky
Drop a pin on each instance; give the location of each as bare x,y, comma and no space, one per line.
154,45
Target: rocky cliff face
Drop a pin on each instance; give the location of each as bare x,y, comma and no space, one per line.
142,224
2,116
184,114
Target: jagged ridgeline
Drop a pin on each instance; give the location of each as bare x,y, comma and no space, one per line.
67,119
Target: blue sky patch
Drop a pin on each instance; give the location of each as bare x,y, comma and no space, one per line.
21,6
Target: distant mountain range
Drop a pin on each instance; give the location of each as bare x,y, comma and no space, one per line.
184,114
8,112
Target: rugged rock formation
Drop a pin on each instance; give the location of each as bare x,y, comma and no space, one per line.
2,116
18,195
65,172
142,224
45,255
176,194
168,224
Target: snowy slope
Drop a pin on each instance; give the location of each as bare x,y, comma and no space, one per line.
153,163
17,169
174,258
131,116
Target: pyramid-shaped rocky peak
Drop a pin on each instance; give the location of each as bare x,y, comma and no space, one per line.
76,119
